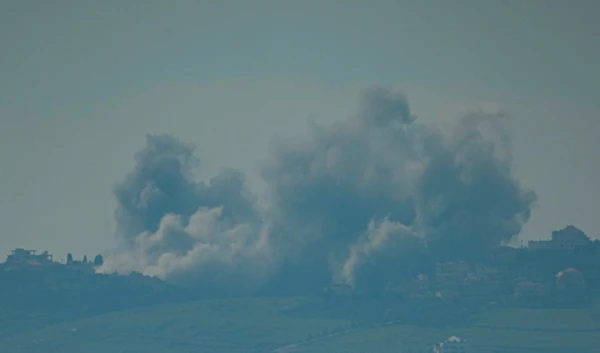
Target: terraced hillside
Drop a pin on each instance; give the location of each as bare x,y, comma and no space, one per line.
235,325
264,325
501,330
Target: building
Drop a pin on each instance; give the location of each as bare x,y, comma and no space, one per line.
570,281
22,258
570,288
569,238
451,273
452,345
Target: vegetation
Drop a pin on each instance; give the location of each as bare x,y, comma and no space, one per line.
98,260
227,325
264,324
539,319
522,330
33,299
397,338
69,309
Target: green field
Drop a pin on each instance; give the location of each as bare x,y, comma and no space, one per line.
522,330
546,319
203,326
260,325
397,338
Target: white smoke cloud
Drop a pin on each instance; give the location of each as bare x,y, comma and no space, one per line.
203,248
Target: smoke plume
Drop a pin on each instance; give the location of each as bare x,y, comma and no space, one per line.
364,201
173,226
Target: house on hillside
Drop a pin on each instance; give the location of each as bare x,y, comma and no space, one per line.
22,258
570,287
452,345
567,239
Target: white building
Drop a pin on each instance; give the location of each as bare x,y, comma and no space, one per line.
452,345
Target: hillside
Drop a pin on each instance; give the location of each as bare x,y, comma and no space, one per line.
502,330
32,299
233,325
262,325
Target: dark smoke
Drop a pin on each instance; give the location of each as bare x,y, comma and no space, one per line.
176,227
363,201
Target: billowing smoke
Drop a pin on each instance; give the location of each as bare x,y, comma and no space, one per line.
365,201
176,227
387,252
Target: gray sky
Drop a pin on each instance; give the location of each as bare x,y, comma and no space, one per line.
82,82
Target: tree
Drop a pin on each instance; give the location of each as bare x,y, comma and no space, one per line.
85,261
69,258
98,260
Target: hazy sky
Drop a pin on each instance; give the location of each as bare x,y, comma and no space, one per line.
82,82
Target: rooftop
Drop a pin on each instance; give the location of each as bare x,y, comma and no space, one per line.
454,339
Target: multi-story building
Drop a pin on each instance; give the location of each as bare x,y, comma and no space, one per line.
22,258
569,238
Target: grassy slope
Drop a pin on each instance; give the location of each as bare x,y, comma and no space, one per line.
236,325
256,324
566,330
391,339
